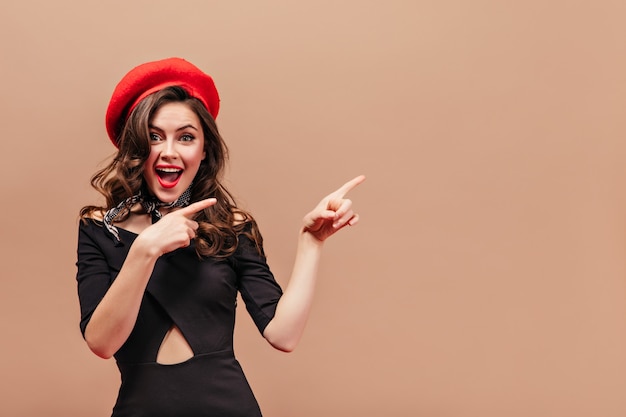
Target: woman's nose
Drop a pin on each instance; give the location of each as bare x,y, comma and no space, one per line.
169,149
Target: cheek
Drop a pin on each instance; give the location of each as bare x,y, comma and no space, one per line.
153,155
195,157
147,165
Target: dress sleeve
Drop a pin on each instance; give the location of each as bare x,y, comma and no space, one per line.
259,290
93,272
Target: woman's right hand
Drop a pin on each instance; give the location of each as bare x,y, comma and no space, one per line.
175,230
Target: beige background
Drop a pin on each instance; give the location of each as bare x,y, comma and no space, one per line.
487,277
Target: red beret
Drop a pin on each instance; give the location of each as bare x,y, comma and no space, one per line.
154,76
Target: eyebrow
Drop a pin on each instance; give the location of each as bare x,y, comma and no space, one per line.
151,126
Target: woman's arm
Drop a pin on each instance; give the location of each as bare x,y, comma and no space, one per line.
332,214
114,318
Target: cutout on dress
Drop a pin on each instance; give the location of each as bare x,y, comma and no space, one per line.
174,348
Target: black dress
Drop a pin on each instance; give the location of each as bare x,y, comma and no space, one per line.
198,296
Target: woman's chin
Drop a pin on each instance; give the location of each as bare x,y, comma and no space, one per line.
167,195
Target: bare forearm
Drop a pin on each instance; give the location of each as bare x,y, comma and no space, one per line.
114,318
292,311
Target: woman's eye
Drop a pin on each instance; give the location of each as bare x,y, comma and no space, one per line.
154,137
186,138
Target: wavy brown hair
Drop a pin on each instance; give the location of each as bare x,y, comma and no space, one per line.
220,224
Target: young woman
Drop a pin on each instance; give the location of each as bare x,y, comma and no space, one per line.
161,263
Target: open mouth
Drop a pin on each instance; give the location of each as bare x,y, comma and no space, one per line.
168,176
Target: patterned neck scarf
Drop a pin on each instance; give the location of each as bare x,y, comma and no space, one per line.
150,205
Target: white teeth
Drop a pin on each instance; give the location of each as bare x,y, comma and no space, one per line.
169,169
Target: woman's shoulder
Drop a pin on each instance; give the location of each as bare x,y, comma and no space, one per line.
249,238
90,221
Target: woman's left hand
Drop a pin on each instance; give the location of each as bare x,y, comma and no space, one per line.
332,213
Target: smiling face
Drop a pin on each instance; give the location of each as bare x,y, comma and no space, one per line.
176,151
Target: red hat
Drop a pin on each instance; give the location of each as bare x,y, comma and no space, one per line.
154,76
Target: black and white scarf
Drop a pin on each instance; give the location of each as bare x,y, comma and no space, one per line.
150,205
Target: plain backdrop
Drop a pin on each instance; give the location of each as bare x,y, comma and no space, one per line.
487,276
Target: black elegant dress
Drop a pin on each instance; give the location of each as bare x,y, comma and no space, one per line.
198,296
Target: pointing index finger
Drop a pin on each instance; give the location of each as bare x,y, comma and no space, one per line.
193,208
344,189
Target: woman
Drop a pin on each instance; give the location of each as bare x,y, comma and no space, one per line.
160,265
